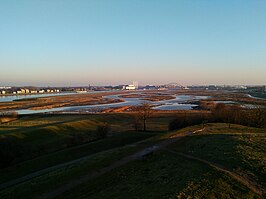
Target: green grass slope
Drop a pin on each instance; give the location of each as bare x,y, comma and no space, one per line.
169,175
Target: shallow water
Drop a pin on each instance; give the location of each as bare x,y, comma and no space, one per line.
176,106
173,104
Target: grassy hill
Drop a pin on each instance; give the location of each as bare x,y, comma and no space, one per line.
219,162
168,174
53,152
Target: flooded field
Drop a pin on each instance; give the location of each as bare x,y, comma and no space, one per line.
180,102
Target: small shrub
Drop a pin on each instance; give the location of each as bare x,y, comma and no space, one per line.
102,131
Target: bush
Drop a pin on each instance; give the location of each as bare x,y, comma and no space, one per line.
102,131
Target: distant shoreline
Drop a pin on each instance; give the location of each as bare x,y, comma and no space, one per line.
45,93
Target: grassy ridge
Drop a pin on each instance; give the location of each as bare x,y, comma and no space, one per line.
45,141
240,149
29,142
58,177
69,154
164,175
167,175
34,136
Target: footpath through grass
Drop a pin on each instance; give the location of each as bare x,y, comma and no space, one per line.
164,175
168,175
24,168
59,177
240,149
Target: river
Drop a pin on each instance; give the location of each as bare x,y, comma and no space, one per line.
179,103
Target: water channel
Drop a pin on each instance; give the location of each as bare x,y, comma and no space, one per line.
179,103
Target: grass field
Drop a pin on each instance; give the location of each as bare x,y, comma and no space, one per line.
240,149
95,162
166,174
69,154
31,137
163,176
43,141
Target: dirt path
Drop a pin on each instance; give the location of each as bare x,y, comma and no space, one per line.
253,186
139,155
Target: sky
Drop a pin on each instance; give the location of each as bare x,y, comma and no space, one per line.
103,42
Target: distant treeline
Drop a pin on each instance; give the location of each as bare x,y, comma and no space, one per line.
230,114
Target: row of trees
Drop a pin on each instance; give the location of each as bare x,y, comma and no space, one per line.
184,120
230,114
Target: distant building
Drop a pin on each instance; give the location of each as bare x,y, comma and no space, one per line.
211,87
136,84
133,86
129,87
149,87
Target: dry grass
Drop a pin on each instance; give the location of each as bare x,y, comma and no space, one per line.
60,101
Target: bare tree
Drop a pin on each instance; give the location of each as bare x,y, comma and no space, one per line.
103,131
137,123
143,113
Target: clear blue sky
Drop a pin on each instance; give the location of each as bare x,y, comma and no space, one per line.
81,42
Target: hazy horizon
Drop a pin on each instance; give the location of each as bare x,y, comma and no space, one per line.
127,83
73,43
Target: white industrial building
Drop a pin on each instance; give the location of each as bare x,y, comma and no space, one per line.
129,87
133,86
